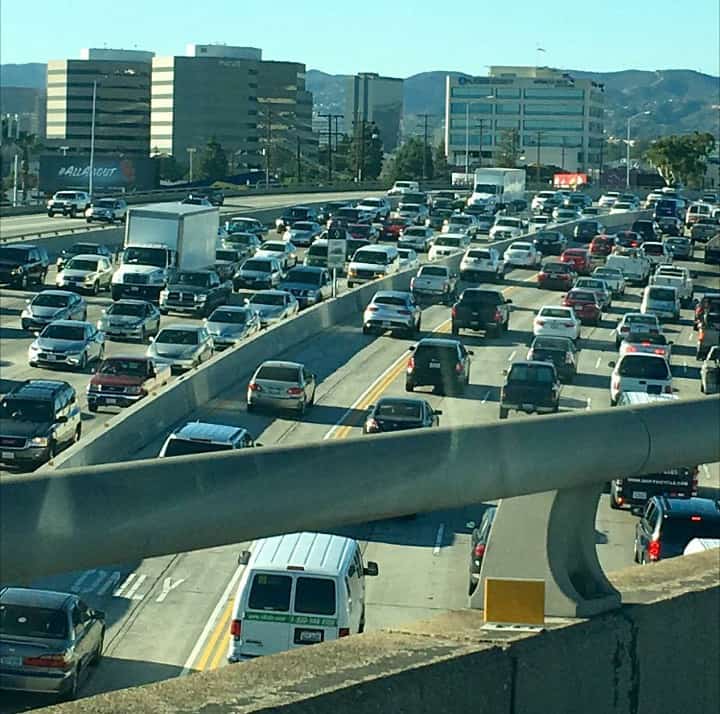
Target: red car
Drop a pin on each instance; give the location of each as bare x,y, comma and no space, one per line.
556,276
393,228
584,303
580,258
601,246
628,239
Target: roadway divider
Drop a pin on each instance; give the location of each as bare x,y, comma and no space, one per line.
122,435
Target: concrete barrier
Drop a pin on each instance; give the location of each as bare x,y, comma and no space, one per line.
661,653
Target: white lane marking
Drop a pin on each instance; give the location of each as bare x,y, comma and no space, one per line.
210,624
685,366
111,582
611,334
167,587
130,594
705,470
439,539
512,356
589,403
75,587
119,591
599,360
485,398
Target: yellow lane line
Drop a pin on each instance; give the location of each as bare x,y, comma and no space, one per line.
215,639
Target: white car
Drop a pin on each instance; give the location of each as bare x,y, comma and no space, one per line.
556,321
419,238
283,251
479,263
408,259
461,223
90,273
507,227
401,187
448,244
522,255
635,372
607,200
303,233
636,322
539,223
613,277
562,214
378,209
539,199
657,253
621,207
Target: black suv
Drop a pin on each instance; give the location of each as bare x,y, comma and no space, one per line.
649,230
667,525
585,231
22,264
37,419
440,363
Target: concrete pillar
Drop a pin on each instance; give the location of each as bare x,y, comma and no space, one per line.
550,536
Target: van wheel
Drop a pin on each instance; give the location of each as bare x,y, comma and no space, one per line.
409,385
504,412
361,626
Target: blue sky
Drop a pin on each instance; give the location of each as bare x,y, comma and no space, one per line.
394,37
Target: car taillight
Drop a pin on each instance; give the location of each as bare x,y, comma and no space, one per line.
236,628
568,358
539,323
343,632
60,660
659,351
653,550
459,369
294,391
498,316
372,425
701,335
479,550
453,311
372,308
411,364
254,387
631,348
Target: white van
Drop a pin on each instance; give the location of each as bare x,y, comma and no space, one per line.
298,589
371,262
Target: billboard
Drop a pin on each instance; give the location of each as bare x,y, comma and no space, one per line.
111,174
569,180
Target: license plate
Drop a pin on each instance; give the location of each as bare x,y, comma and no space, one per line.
308,637
110,401
50,358
134,290
434,365
11,661
7,455
639,494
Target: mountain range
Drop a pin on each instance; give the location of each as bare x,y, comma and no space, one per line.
679,100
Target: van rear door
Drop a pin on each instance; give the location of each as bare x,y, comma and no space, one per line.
315,611
266,619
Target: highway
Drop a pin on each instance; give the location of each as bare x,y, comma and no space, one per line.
170,615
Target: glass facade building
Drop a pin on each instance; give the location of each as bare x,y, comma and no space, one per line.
377,99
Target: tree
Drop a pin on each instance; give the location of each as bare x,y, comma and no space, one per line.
441,170
408,161
213,161
169,169
508,148
681,158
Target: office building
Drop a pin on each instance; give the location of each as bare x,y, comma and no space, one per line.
372,98
121,82
557,118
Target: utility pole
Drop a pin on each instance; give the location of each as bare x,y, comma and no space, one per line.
562,161
191,150
15,179
482,124
425,145
361,162
600,172
467,140
330,118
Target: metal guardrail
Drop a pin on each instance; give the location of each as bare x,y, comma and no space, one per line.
58,232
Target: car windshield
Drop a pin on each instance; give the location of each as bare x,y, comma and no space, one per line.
662,294
33,410
409,207
22,621
275,247
303,226
229,255
556,268
296,213
237,226
127,308
55,331
183,447
129,367
589,284
171,336
390,300
531,373
547,235
447,241
267,299
637,319
279,373
319,250
479,254
233,317
520,246
369,256
653,248
644,367
262,266
416,232
145,256
511,222
401,409
199,280
438,270
565,313
539,219
80,264
14,255
51,300
104,203
482,296
360,229
307,277
270,592
461,220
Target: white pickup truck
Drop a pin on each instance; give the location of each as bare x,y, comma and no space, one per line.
675,277
435,282
482,263
635,268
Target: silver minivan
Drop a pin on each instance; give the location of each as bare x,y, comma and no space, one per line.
661,300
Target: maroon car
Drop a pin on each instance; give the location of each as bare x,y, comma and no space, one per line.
584,303
556,276
601,246
579,258
123,381
393,227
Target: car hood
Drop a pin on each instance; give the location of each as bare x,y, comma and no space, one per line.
289,286
136,269
9,264
51,343
226,329
67,273
192,289
26,429
121,319
46,311
369,266
245,273
171,350
121,380
269,310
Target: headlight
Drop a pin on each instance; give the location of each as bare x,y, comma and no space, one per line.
33,348
25,313
17,271
352,271
133,390
163,294
39,441
200,298
89,278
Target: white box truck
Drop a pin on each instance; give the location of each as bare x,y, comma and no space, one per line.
499,189
160,240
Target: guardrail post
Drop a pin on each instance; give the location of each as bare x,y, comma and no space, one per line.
550,536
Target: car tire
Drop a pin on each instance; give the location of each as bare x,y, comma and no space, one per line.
312,399
93,407
250,407
96,288
409,385
51,214
302,409
504,412
42,277
71,693
88,220
97,655
455,330
73,211
82,365
84,315
365,330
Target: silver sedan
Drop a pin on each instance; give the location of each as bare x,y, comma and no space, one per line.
230,324
67,342
392,310
282,385
181,346
273,305
130,319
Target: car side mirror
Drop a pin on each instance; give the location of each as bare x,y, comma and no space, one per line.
151,338
411,348
437,412
471,352
509,301
244,557
62,420
371,569
612,363
246,301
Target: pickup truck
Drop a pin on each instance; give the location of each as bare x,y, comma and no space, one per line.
482,263
635,491
123,381
710,372
712,251
530,387
195,292
678,278
481,309
635,268
434,282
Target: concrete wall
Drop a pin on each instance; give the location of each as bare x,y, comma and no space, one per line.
659,654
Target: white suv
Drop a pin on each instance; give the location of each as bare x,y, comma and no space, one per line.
635,372
69,203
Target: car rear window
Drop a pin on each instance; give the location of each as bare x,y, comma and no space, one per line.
182,447
653,248
556,268
551,343
278,373
443,353
485,254
407,410
390,300
664,294
262,266
23,621
270,592
452,242
641,367
482,296
315,596
438,270
681,531
565,313
531,373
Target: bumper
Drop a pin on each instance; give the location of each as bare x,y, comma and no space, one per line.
40,683
393,324
102,219
357,280
28,456
7,277
123,332
100,399
275,401
553,332
528,407
252,284
475,325
80,287
56,360
194,309
29,323
177,365
554,284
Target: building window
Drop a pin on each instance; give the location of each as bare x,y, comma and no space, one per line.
507,123
470,107
554,124
554,93
503,108
553,140
507,93
556,108
470,92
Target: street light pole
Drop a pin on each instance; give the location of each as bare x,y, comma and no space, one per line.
467,140
425,146
92,140
627,147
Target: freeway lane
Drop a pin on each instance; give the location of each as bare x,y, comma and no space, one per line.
170,614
